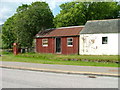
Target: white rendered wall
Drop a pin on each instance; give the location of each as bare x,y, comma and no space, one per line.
91,44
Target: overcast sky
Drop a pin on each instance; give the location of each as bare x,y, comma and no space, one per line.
8,7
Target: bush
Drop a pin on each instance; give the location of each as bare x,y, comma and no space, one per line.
7,51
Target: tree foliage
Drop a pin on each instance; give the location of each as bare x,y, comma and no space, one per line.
8,36
77,13
28,20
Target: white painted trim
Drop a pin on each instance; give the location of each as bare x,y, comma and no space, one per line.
44,45
71,41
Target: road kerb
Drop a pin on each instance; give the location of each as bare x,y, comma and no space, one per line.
60,71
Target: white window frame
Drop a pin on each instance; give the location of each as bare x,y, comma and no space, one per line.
69,41
43,42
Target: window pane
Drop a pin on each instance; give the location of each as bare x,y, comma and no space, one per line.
104,40
69,41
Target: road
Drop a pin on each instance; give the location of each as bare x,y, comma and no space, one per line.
13,78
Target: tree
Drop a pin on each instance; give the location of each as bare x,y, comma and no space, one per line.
28,20
8,36
77,13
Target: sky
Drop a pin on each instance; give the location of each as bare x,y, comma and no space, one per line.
8,7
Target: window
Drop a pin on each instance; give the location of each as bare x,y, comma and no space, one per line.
104,40
44,42
69,41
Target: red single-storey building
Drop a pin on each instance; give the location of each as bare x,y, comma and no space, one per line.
59,41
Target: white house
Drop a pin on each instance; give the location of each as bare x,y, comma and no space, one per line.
100,37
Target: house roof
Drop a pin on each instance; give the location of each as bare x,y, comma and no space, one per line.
64,31
102,26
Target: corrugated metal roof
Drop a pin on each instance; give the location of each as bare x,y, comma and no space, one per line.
102,26
64,31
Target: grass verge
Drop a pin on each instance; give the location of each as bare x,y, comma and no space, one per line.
81,60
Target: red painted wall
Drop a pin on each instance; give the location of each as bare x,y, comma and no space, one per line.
70,50
64,48
48,49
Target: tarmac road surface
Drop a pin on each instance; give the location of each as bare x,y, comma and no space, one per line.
13,78
91,70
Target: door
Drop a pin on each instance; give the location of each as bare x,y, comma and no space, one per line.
58,45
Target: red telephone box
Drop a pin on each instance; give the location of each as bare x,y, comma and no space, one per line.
15,48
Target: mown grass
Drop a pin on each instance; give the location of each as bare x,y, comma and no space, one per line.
71,57
0,43
81,60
